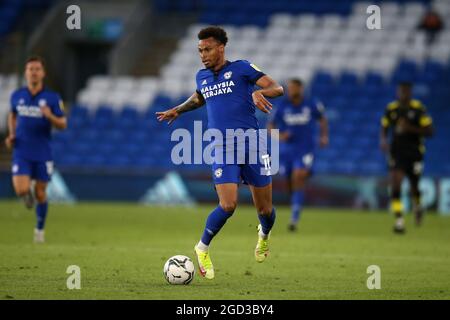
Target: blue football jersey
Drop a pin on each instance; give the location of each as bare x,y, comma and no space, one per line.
228,95
300,122
33,130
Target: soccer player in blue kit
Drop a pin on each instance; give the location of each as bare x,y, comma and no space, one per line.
34,111
227,89
296,119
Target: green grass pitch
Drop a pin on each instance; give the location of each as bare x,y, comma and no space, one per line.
121,250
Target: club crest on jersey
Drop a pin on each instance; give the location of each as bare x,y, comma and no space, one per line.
42,103
21,101
204,82
227,75
218,172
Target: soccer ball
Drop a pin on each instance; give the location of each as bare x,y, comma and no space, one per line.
179,269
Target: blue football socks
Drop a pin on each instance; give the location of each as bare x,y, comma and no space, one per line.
296,205
267,221
41,214
216,220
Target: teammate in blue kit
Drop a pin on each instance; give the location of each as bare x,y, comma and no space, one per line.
296,119
227,89
34,111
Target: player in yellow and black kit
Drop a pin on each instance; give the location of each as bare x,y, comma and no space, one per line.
409,123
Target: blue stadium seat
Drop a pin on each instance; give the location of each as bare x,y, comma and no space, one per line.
161,102
139,137
373,168
372,91
344,167
131,149
321,90
406,71
89,133
120,160
65,136
83,148
103,117
71,159
323,78
348,78
78,111
106,149
374,79
347,90
113,135
321,166
94,160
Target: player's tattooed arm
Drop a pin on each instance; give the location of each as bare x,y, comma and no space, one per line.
195,101
269,88
12,120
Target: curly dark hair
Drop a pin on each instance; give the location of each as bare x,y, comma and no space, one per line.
217,33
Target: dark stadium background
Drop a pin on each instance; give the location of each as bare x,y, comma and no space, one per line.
133,58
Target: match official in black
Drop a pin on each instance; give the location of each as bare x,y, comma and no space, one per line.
407,122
